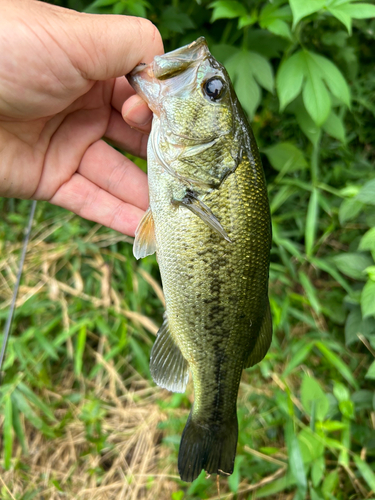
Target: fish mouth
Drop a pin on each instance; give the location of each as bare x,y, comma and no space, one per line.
145,78
179,60
165,66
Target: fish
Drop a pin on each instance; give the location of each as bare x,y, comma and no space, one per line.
209,223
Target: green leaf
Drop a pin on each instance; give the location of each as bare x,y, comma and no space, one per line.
95,6
173,20
47,346
330,484
353,264
368,240
276,486
30,414
371,371
308,127
366,472
226,9
248,69
345,12
345,435
295,457
371,269
367,193
341,392
285,157
368,299
139,356
313,398
335,361
361,10
222,52
18,426
301,8
282,195
272,11
332,425
298,358
247,20
7,432
33,398
355,325
262,70
136,8
347,409
315,74
317,470
79,350
312,221
311,446
234,479
280,28
289,79
334,126
342,16
349,210
178,495
248,92
315,96
310,292
274,19
332,77
314,495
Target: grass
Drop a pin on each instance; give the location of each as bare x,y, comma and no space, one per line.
82,419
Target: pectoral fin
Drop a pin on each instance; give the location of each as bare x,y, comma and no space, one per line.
202,211
263,341
144,243
197,149
168,367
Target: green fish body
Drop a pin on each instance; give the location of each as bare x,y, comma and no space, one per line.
209,224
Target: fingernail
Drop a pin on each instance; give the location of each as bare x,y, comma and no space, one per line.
138,115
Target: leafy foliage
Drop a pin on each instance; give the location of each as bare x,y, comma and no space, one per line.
303,71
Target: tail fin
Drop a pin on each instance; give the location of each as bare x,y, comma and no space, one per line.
212,448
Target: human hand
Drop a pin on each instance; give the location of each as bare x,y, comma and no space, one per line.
62,90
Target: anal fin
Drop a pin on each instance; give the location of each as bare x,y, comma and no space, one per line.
263,341
168,367
144,243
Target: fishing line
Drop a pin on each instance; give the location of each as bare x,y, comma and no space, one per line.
8,323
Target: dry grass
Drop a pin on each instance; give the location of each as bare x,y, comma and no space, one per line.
132,464
132,459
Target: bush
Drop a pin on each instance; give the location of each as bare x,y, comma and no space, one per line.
303,72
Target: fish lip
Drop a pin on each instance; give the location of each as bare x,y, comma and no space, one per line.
140,78
177,60
180,59
142,67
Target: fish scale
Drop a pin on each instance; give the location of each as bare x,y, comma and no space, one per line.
209,224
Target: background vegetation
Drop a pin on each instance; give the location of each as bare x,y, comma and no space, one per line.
80,415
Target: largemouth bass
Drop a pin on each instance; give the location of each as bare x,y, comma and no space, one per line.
209,223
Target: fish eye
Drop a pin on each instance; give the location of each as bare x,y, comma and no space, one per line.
214,88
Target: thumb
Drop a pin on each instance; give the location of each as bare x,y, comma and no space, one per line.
106,46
